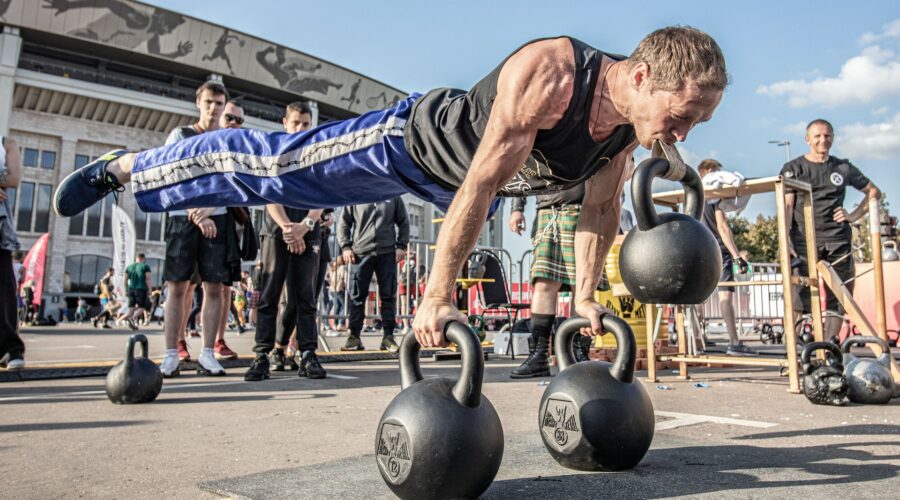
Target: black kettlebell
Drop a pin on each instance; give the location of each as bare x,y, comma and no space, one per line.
669,258
593,416
870,380
440,438
824,384
476,267
134,380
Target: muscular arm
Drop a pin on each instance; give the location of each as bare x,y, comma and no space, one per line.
595,232
533,91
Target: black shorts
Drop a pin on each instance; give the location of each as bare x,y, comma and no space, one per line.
830,251
137,297
187,249
727,271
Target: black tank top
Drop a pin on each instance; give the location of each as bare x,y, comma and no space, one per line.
446,127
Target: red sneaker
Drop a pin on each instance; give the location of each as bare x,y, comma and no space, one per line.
183,353
223,351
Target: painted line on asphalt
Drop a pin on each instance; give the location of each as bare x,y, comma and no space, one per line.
686,419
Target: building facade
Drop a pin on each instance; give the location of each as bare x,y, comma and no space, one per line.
79,79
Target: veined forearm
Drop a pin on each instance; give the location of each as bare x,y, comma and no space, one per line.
593,239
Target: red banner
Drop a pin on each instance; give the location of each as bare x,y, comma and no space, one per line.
34,267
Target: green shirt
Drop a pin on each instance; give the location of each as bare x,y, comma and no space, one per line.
136,276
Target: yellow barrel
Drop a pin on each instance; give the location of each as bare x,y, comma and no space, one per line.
627,308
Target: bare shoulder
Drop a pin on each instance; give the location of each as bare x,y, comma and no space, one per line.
539,78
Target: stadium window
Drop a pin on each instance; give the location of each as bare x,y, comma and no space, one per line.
30,157
26,203
48,159
42,208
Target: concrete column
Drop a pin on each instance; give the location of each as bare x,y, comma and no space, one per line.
10,48
59,231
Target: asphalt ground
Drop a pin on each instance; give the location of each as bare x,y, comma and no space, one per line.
738,435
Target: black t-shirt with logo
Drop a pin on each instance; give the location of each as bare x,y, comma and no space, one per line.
829,181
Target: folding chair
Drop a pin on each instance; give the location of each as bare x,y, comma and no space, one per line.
495,295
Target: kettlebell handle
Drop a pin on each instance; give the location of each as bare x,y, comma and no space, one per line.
863,340
467,390
642,191
812,347
626,346
129,354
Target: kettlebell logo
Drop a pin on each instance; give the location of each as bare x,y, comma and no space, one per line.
837,179
393,452
627,306
560,423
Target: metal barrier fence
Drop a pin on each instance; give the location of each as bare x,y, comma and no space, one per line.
753,305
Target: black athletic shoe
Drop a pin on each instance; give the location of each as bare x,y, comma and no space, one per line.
354,343
310,366
259,370
277,360
388,344
537,363
86,186
292,360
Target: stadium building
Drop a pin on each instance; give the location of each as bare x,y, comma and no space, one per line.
80,78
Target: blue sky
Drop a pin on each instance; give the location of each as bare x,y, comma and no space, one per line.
790,62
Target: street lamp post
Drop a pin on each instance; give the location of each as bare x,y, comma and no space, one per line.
786,143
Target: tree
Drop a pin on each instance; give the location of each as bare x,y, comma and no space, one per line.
760,238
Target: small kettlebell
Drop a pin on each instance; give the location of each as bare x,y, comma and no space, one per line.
889,251
593,416
440,438
669,258
824,384
134,380
870,380
476,267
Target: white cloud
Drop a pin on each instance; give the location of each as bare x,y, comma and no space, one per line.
877,141
795,129
891,30
872,75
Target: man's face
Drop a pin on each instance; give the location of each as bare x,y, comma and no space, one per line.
210,105
296,122
233,117
820,138
670,116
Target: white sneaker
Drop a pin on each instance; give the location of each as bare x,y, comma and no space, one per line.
170,366
15,365
208,365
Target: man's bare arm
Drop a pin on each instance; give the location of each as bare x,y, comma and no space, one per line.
872,193
13,165
595,232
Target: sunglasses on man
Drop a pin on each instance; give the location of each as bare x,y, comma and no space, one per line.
236,119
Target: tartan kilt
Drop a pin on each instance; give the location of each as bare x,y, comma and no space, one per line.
553,245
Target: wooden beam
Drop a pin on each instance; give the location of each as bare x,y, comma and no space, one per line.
784,259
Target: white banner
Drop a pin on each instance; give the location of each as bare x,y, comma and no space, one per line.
123,246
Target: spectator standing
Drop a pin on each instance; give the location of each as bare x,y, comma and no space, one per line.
12,349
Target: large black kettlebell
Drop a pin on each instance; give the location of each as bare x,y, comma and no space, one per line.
669,258
134,380
440,438
824,383
870,380
593,416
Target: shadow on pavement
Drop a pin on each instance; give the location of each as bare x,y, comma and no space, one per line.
844,430
68,426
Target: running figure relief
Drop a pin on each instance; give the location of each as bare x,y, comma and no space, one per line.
293,73
219,51
126,25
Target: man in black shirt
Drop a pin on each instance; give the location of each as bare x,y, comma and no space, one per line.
829,177
290,243
373,239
